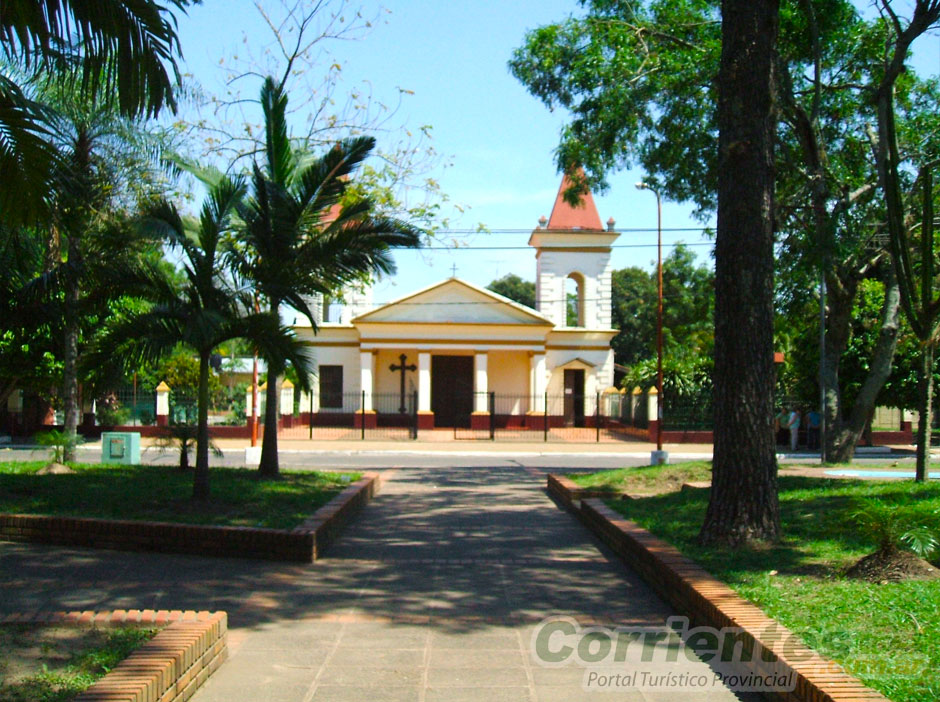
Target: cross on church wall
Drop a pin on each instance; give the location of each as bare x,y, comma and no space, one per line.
403,369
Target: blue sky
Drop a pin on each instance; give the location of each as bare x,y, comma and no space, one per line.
499,139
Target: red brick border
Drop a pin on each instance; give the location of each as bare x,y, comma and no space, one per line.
707,601
168,668
569,491
303,544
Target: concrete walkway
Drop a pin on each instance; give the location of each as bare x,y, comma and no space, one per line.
433,593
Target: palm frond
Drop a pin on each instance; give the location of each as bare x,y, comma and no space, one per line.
322,184
277,145
278,345
122,50
27,158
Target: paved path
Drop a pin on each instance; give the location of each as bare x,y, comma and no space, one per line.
433,593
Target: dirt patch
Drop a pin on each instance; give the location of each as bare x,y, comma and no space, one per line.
892,566
26,649
54,469
40,662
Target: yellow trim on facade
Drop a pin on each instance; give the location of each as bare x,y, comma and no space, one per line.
522,325
573,249
433,341
576,348
346,344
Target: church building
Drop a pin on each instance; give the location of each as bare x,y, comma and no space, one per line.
454,352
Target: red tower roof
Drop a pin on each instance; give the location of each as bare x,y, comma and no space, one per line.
584,217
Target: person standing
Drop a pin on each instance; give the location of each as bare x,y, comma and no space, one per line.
813,424
793,424
780,426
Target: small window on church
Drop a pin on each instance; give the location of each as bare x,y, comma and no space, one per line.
331,387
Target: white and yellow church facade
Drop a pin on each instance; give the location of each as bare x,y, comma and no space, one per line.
452,348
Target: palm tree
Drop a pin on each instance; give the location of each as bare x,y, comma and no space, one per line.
304,235
123,51
86,240
204,313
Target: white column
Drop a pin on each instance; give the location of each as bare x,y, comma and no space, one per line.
652,405
313,400
163,400
539,381
365,382
480,383
590,392
424,382
287,398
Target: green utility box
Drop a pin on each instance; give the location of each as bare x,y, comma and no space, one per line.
120,447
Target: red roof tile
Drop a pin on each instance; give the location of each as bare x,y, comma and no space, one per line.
584,217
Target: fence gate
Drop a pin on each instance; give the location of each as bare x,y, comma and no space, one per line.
475,426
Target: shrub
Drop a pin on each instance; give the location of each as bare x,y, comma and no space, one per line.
894,527
58,441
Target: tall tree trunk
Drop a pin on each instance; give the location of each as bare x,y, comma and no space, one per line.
840,297
743,505
847,430
70,356
268,467
201,474
925,400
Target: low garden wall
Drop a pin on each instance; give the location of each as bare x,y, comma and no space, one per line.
301,544
707,601
168,668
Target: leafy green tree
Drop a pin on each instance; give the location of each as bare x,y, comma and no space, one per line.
633,313
301,236
688,303
27,358
913,256
87,245
180,370
515,288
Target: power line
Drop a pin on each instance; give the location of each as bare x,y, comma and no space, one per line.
531,248
467,303
627,230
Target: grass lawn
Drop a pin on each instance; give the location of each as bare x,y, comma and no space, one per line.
887,634
162,493
55,664
646,479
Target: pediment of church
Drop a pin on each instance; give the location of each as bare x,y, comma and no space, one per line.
454,301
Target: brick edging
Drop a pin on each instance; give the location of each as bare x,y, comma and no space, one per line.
707,601
168,668
328,521
301,544
570,492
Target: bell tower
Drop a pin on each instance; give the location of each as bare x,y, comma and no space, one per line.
572,244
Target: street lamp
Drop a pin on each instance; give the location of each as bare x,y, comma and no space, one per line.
658,456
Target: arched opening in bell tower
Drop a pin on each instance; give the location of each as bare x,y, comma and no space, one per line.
574,300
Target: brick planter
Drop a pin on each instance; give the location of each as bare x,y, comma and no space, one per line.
707,601
168,668
302,544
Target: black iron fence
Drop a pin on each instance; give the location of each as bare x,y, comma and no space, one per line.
688,413
126,405
358,416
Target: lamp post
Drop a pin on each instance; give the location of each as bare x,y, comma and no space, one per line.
658,456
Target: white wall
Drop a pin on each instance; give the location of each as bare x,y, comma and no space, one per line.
554,267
